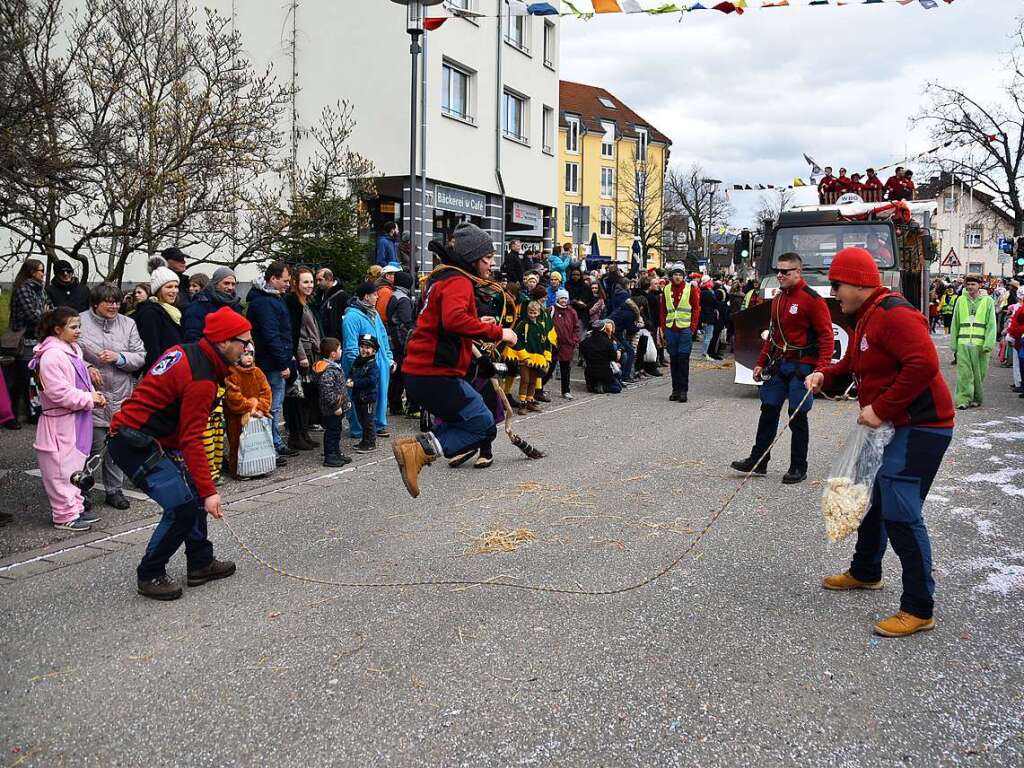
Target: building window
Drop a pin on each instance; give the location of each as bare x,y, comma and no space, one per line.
461,4
976,267
606,102
972,236
606,221
607,182
514,116
641,144
549,44
572,135
455,91
517,31
608,140
949,204
570,210
572,178
549,130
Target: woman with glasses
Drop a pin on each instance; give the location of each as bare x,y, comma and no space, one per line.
114,351
28,305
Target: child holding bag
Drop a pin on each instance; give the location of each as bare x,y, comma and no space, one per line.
247,396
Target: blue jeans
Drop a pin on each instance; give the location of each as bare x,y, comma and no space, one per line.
628,356
466,422
276,382
909,466
679,343
786,385
709,337
185,524
331,423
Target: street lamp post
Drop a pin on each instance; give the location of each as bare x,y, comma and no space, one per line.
414,26
711,185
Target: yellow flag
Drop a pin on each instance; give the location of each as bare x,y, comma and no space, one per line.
799,183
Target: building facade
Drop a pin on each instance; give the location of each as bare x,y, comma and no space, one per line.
970,223
612,166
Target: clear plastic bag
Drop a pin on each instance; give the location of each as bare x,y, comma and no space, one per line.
847,494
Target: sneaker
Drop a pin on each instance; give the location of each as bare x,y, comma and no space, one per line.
88,516
314,428
281,461
335,461
483,462
365,447
532,406
284,450
844,581
411,457
961,407
747,465
217,569
76,525
462,458
540,397
384,432
567,396
975,404
160,588
117,500
902,624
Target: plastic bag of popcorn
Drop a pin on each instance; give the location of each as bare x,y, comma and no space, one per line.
847,494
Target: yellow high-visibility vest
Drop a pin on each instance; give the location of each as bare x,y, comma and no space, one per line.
973,327
678,316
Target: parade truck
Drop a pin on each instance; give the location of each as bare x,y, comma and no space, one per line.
896,234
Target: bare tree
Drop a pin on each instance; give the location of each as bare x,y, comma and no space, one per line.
770,206
641,208
689,195
994,132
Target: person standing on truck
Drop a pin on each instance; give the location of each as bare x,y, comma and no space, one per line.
827,187
856,186
873,187
973,335
896,367
894,184
800,341
907,189
842,183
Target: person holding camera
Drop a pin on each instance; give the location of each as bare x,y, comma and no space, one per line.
800,341
157,439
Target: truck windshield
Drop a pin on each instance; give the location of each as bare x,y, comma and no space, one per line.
817,246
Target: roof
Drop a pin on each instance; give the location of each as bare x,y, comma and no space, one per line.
584,100
936,185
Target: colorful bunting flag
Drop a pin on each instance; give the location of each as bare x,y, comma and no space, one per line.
606,6
542,9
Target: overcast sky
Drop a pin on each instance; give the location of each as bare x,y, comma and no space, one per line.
746,96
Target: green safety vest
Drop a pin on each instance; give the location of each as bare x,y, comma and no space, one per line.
972,328
678,316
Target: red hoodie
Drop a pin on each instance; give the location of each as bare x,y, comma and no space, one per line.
441,344
894,361
173,402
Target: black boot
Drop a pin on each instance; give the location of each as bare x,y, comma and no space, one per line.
748,464
794,475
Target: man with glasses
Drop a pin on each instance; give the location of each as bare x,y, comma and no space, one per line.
64,289
893,359
800,341
157,439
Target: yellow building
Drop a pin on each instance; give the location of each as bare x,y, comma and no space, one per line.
612,161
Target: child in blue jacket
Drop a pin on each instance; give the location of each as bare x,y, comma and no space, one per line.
364,381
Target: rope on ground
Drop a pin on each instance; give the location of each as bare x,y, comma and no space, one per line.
464,583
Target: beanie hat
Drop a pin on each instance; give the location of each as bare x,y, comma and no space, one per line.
160,277
173,254
555,273
220,273
678,269
561,293
470,243
224,324
855,266
364,289
403,280
63,266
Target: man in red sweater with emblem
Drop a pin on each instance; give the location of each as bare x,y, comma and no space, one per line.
157,439
800,340
894,185
893,359
438,356
680,316
872,187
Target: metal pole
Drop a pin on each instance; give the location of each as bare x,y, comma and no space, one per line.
414,50
497,134
423,163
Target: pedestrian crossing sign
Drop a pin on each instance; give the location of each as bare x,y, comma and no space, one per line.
951,260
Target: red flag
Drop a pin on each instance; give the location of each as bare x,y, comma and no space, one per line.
431,24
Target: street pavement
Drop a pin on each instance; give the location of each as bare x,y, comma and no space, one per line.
736,657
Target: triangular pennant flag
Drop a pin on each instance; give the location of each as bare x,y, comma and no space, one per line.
929,4
776,4
431,24
542,9
818,2
630,6
517,8
725,7
606,6
665,8
798,183
577,12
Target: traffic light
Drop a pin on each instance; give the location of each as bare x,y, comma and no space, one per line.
1020,254
741,248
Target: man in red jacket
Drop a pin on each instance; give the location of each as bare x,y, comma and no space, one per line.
437,357
893,360
800,340
157,439
894,185
872,187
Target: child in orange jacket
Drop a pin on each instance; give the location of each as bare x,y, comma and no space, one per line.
248,395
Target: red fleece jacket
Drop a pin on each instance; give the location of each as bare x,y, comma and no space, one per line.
805,321
895,364
173,402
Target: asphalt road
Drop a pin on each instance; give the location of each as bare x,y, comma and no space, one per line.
737,657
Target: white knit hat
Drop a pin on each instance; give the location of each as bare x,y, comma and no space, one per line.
160,277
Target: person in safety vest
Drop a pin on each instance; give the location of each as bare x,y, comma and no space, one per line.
799,340
893,360
437,358
973,336
680,318
157,439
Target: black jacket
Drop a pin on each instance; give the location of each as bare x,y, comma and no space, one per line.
331,306
598,352
512,266
74,295
708,307
158,331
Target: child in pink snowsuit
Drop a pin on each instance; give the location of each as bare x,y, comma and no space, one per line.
64,433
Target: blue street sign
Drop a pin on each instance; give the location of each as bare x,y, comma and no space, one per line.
1005,245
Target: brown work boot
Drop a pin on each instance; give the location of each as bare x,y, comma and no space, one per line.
217,569
411,457
845,581
902,624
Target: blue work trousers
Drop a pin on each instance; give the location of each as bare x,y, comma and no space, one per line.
679,343
465,420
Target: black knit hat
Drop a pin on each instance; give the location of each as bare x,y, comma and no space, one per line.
364,289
